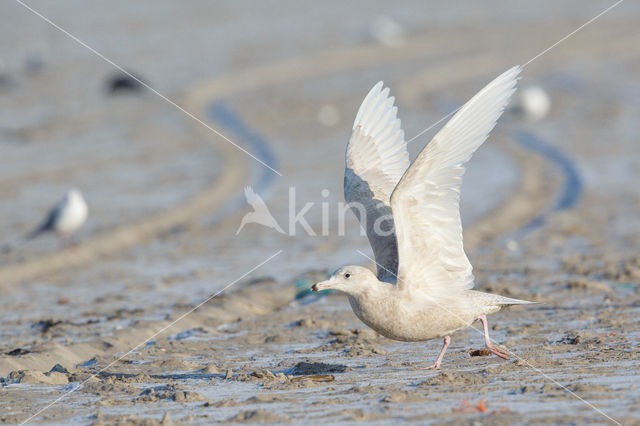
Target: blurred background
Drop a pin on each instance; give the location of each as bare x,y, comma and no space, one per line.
283,81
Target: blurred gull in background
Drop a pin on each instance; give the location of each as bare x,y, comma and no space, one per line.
66,217
387,31
120,82
533,103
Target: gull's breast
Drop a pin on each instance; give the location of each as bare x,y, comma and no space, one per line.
399,320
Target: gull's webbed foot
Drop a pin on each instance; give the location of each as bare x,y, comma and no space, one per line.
497,351
435,366
494,349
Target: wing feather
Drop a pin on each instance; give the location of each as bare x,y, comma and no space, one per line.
425,204
376,159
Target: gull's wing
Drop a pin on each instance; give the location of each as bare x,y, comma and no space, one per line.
49,223
376,159
425,203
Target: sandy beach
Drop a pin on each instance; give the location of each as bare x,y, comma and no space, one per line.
162,313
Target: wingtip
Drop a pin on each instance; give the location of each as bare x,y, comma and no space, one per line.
512,73
507,80
376,89
373,94
515,72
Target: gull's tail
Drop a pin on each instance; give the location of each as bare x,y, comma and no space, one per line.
47,225
36,232
490,299
509,301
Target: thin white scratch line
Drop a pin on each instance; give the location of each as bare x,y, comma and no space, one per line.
572,33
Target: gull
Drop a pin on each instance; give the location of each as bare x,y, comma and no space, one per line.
66,217
423,287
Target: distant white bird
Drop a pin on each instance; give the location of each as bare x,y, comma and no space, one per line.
260,213
424,279
533,103
387,31
66,217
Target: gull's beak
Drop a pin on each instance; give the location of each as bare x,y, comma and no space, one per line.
322,285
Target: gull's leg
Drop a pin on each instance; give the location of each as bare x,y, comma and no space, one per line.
436,365
494,349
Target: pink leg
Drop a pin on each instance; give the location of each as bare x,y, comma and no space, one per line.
494,349
436,365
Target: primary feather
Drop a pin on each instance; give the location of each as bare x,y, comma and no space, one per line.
425,203
376,159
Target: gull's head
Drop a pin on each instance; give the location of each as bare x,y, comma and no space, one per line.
349,279
73,194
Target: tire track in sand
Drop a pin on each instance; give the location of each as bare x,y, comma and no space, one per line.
231,178
572,189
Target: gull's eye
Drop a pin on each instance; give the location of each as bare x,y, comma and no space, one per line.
347,275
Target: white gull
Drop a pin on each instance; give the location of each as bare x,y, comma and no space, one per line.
412,217
66,217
